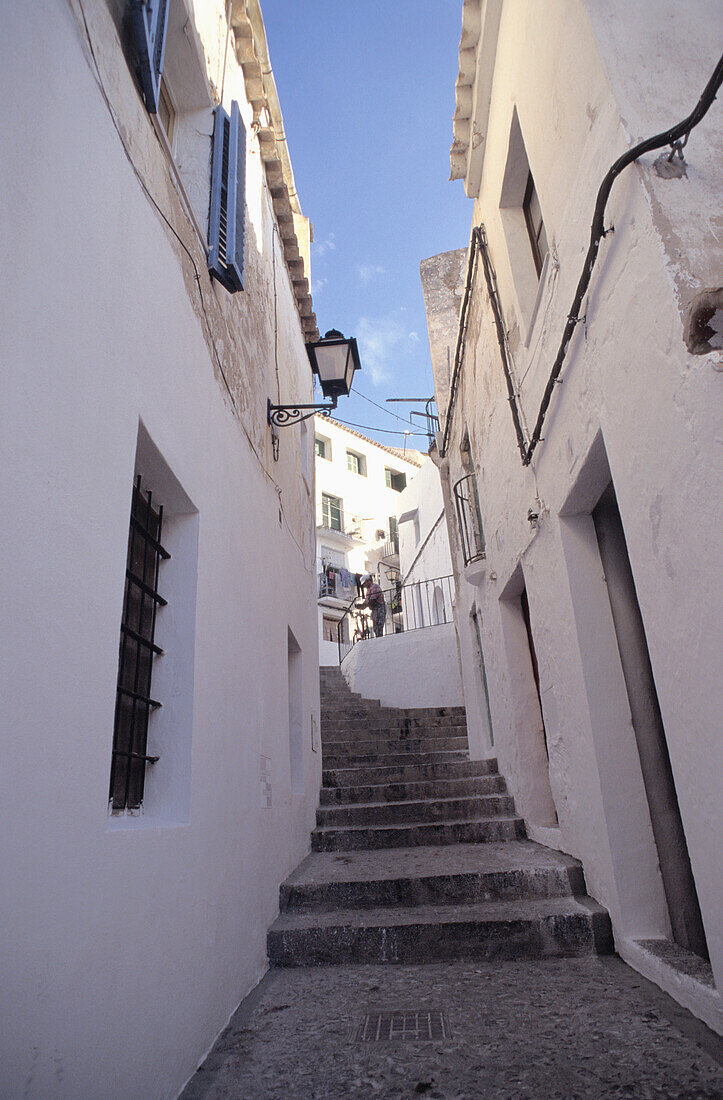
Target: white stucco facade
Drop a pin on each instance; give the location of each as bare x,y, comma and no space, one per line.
356,509
418,668
128,940
634,407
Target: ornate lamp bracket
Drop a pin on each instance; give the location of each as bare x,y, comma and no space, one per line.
283,415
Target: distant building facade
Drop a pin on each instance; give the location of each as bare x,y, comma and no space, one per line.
358,486
583,513
160,698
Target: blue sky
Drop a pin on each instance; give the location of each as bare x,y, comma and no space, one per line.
367,93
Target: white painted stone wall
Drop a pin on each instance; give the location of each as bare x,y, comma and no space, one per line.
423,539
367,505
127,943
633,404
415,669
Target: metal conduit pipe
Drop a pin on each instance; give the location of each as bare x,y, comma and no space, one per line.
676,136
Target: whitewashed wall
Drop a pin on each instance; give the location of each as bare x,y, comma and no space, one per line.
127,944
423,539
419,668
633,404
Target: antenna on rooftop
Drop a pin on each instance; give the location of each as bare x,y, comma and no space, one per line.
429,415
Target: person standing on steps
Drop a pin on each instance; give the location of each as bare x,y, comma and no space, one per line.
375,602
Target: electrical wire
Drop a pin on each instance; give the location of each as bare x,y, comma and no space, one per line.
401,419
386,431
197,277
676,137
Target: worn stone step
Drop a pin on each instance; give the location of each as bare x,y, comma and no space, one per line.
456,875
402,792
407,772
373,707
430,809
377,735
479,830
333,761
408,725
539,928
383,745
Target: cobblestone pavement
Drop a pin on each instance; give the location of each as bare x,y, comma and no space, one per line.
569,1028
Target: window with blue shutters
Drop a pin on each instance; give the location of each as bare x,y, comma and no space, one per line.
226,223
150,21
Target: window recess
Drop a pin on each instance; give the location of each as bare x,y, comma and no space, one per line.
331,512
356,464
134,701
395,480
469,519
535,224
227,213
150,23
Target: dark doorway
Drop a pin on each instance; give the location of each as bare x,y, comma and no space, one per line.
675,869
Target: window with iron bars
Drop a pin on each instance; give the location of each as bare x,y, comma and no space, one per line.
138,648
469,518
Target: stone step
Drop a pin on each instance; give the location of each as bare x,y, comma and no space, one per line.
458,875
479,830
402,792
534,929
430,809
406,724
413,714
407,772
386,759
376,735
364,747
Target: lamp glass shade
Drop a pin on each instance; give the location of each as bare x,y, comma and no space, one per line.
331,363
334,359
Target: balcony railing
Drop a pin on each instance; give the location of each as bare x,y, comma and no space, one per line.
408,606
469,519
336,519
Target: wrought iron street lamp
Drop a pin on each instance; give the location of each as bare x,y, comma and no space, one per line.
334,359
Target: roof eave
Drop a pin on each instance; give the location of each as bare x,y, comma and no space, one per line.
473,91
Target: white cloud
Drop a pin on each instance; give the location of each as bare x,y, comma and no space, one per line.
382,342
327,245
368,271
413,336
317,285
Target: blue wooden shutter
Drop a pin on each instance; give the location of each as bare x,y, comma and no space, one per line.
150,21
227,212
236,199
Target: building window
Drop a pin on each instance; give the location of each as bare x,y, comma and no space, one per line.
322,447
394,533
535,224
331,512
395,480
134,701
356,464
227,211
166,113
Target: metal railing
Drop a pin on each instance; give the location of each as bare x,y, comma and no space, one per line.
469,518
409,606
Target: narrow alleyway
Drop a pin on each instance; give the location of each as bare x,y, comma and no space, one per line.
504,983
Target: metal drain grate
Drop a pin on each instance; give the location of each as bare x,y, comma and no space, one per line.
385,1027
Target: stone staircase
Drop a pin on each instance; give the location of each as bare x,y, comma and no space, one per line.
418,854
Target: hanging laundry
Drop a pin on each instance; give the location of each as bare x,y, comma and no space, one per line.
345,578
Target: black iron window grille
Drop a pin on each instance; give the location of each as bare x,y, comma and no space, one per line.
469,519
138,647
